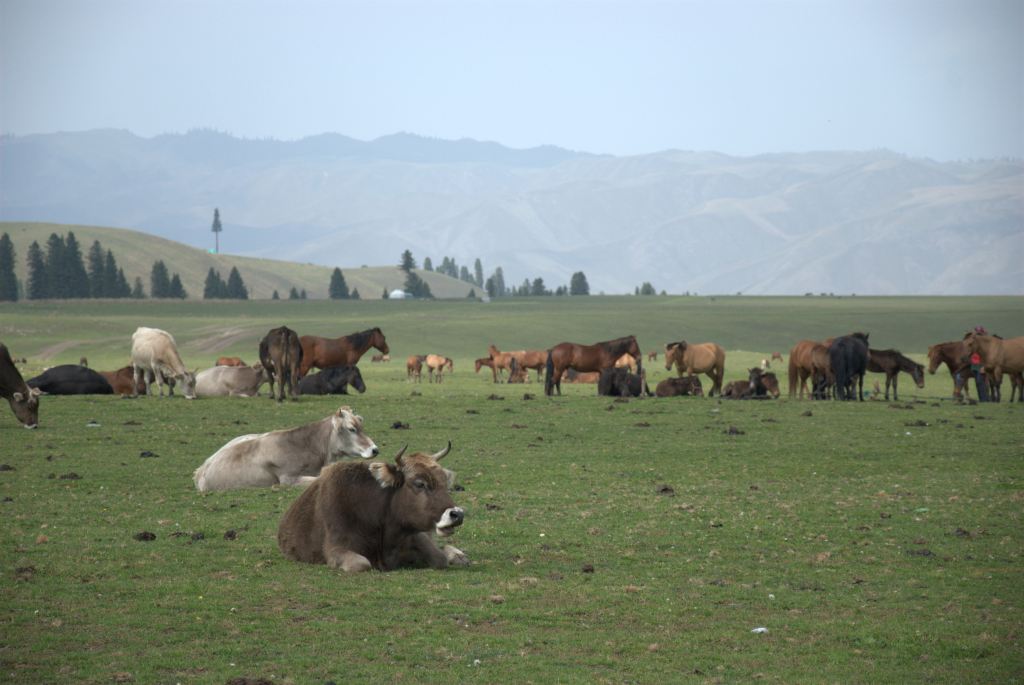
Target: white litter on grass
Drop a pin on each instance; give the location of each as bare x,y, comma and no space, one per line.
759,629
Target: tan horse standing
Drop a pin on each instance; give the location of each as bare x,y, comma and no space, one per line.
998,355
436,364
707,358
414,367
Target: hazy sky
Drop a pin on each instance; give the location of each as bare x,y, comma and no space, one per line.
934,78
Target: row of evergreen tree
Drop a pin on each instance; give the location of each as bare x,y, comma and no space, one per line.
217,289
494,285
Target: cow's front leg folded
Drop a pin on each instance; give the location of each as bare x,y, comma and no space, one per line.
346,560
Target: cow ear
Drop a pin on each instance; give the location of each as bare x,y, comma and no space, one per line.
450,477
386,474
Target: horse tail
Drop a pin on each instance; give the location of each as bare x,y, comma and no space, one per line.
549,381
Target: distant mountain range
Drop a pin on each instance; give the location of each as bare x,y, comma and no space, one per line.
872,222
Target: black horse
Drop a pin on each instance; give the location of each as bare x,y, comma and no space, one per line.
848,356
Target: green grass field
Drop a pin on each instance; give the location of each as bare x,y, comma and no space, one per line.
612,542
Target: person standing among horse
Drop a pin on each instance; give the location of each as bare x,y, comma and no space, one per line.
978,371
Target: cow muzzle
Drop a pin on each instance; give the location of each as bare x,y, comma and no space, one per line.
450,520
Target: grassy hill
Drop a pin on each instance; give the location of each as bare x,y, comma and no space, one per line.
135,253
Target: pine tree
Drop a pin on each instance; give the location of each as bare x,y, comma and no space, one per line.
293,294
464,275
216,228
122,289
537,288
96,266
302,294
159,281
492,290
110,284
338,289
386,295
74,270
472,294
417,287
499,282
176,289
355,294
478,273
275,296
236,287
647,289
408,263
138,292
578,284
214,288
8,281
56,286
427,264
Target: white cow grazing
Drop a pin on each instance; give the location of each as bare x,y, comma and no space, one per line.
231,381
293,456
155,350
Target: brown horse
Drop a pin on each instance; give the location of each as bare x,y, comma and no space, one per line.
891,362
488,362
529,359
998,355
323,353
414,367
596,357
955,356
801,366
707,358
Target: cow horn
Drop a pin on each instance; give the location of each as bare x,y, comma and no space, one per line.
398,457
437,456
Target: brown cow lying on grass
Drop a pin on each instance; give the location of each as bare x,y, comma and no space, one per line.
359,516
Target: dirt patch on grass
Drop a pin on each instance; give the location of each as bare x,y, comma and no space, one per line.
222,340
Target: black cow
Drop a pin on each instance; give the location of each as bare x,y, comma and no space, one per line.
23,399
848,357
71,379
332,381
621,383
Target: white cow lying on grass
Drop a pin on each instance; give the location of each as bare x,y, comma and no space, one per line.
293,456
231,381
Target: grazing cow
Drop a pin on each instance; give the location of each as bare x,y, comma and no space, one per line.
955,356
489,362
293,456
999,355
229,361
231,381
585,358
848,356
333,381
574,376
677,387
707,358
347,350
281,356
70,379
891,362
436,363
619,382
414,367
155,350
357,516
24,400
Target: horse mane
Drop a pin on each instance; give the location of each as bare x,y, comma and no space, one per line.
360,339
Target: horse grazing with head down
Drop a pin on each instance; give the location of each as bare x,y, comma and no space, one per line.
707,358
596,357
891,362
324,353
